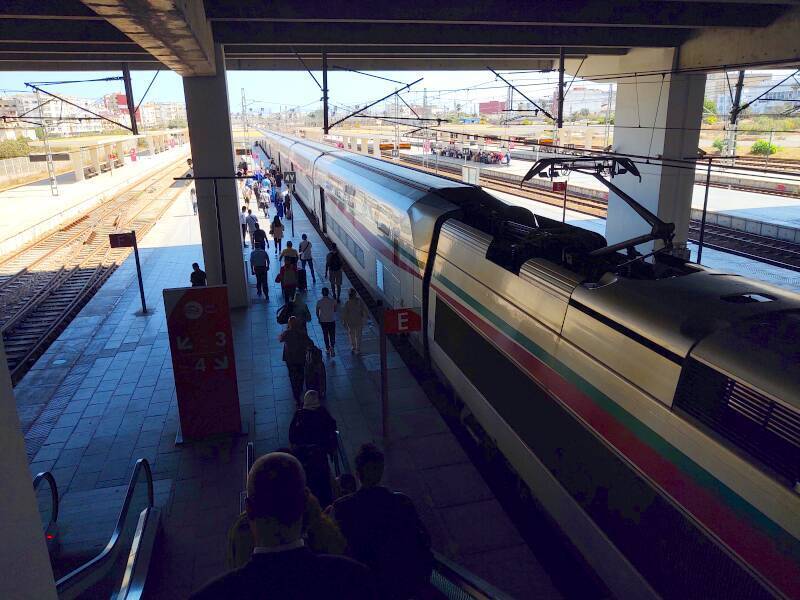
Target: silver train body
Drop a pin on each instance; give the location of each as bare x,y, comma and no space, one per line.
656,419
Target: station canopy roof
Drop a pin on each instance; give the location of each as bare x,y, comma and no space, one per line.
418,35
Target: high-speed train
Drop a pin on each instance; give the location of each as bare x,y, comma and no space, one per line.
653,408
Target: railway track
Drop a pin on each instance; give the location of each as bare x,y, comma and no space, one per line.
767,250
44,284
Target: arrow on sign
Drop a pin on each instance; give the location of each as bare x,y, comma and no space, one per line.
184,343
220,364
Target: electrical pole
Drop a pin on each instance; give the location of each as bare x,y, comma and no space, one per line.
735,110
51,168
608,116
325,92
244,118
126,78
397,126
560,122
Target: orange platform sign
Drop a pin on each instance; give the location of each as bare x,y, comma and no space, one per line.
203,360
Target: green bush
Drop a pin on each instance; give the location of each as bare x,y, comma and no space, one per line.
763,148
719,144
14,148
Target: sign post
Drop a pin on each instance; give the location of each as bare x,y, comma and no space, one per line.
401,320
203,361
561,186
128,240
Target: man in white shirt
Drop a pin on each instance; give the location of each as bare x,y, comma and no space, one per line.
326,313
251,221
306,258
243,223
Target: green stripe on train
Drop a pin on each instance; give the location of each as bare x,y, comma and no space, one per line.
743,508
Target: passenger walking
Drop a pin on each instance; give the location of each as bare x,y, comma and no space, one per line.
312,435
306,258
243,223
295,343
299,309
287,205
287,277
252,222
276,231
354,316
290,252
281,566
198,276
333,270
316,376
384,531
259,264
260,238
279,206
193,195
326,313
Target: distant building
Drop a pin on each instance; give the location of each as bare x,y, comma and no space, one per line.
492,107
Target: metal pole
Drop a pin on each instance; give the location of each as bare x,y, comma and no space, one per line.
48,155
244,119
766,160
384,370
564,211
560,122
608,116
325,92
703,218
219,234
126,77
735,110
139,272
291,192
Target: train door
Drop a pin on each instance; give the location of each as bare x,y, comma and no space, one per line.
322,210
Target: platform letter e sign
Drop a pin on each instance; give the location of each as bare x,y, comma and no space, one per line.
402,321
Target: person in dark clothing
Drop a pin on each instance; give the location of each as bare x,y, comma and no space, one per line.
198,276
295,343
281,565
259,237
313,425
312,435
384,531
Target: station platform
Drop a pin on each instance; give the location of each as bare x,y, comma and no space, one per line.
28,211
745,210
103,395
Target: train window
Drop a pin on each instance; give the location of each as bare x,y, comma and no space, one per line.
379,274
355,250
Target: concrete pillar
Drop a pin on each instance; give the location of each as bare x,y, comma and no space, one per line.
119,149
151,147
212,154
108,149
656,116
77,164
23,553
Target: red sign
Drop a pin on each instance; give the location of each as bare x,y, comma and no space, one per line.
201,342
559,186
401,320
121,240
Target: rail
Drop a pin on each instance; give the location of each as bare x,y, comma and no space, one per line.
49,517
448,578
138,503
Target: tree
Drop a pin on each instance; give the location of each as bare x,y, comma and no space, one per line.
719,144
14,148
709,111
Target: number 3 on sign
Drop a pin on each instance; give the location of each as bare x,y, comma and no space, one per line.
200,365
222,339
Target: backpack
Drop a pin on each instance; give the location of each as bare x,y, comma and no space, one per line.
283,314
335,264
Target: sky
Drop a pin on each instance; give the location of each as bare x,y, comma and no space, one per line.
281,88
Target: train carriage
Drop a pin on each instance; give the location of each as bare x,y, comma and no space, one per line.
653,411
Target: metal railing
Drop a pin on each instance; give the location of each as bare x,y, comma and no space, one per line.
48,509
127,538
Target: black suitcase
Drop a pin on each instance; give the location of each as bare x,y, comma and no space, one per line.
302,280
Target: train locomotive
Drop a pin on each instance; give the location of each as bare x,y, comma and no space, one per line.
651,406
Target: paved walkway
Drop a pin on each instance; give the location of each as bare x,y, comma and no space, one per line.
103,396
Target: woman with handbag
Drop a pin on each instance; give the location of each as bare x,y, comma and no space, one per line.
276,231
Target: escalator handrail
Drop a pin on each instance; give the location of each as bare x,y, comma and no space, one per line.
48,476
470,584
77,575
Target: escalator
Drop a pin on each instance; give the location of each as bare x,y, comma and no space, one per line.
119,571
